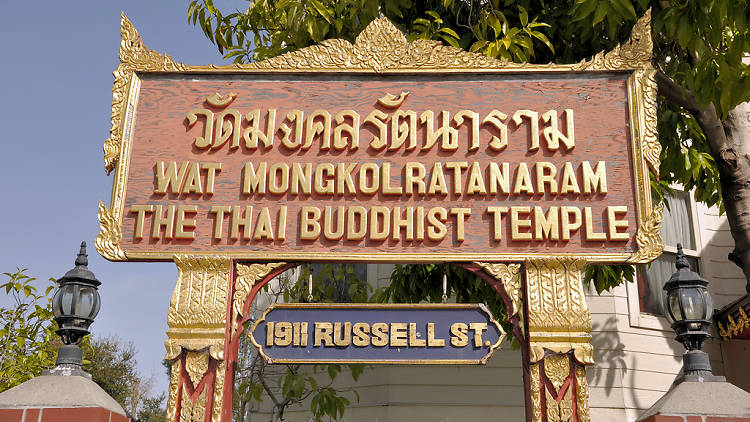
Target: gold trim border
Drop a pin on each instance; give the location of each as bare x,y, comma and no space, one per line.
384,306
382,49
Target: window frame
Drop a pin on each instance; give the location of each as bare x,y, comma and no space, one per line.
639,319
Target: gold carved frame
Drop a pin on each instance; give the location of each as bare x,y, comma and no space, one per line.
382,49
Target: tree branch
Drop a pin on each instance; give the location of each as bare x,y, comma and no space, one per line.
677,94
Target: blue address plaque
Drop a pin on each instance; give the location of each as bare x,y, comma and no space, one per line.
377,333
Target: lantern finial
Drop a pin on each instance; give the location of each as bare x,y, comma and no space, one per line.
83,258
682,261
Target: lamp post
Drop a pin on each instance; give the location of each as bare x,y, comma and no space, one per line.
75,306
689,308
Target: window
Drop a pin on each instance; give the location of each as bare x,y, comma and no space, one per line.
678,226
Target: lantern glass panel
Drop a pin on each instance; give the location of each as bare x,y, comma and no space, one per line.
693,303
86,305
709,305
66,302
673,313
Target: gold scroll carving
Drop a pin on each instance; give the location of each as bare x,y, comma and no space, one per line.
649,241
218,391
510,276
559,318
196,366
108,240
557,368
582,395
734,327
174,387
197,312
247,276
562,411
536,391
193,410
635,54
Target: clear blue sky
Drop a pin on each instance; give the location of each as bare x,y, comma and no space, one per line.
57,62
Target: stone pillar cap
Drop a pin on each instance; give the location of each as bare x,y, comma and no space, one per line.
702,398
50,391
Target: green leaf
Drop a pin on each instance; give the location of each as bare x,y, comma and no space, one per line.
625,7
600,13
523,16
324,11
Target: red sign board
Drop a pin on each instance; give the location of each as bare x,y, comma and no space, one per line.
394,167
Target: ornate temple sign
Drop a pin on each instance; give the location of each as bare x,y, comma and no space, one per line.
458,161
382,150
370,333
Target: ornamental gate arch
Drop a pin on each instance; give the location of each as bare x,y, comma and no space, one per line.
168,207
553,356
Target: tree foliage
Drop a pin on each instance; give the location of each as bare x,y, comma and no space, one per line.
113,365
28,343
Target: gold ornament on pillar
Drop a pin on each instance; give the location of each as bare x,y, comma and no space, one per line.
559,319
247,276
193,410
197,312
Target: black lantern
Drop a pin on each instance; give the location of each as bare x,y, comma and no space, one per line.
689,309
75,306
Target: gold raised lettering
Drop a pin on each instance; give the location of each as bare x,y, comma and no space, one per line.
184,227
436,229
323,335
204,141
431,340
533,118
140,211
253,134
553,135
380,334
458,334
569,226
594,179
399,335
238,220
297,117
590,233
345,133
415,341
495,118
315,127
219,211
517,223
614,224
497,213
342,336
474,117
283,333
361,334
309,223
